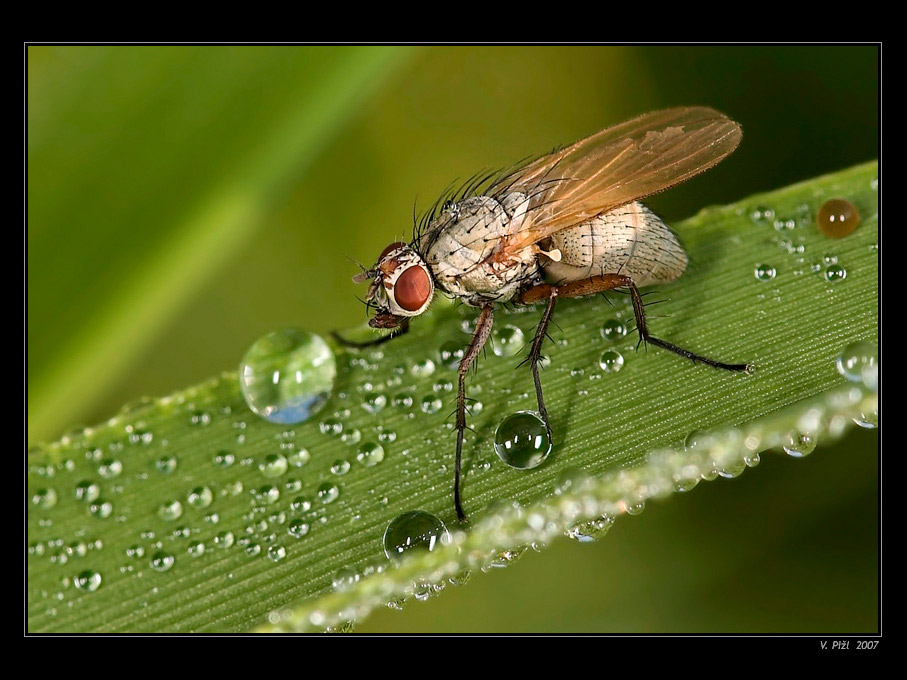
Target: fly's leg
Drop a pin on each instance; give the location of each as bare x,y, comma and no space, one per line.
599,284
396,333
479,336
535,353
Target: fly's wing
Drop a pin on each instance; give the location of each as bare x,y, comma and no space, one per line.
618,165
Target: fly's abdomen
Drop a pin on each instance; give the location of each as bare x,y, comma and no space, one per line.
630,240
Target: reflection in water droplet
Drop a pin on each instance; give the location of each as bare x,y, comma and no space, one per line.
507,341
287,376
837,218
522,441
414,530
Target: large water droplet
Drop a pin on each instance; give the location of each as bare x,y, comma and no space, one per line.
414,530
837,218
800,445
856,359
287,376
522,441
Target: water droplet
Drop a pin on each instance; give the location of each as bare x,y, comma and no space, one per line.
834,273
101,508
402,400
288,375
276,553
451,353
298,528
431,404
593,530
224,539
298,458
87,491
170,510
340,467
88,580
611,361
799,445
328,492
331,426
135,552
375,403
301,504
110,468
414,530
273,465
224,459
45,498
196,549
613,330
522,441
856,359
508,341
166,464
868,419
423,368
370,454
762,214
200,497
162,561
837,218
764,272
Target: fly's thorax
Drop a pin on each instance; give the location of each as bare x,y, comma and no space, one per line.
464,247
403,284
630,240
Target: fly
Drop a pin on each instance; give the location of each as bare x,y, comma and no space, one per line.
568,224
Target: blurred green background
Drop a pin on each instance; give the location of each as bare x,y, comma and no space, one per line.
182,201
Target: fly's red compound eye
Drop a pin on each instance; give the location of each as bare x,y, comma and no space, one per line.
390,248
412,289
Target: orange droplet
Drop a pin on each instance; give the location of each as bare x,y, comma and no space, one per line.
837,218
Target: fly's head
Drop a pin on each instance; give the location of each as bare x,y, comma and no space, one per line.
401,286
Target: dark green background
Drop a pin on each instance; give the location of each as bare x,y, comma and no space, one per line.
126,145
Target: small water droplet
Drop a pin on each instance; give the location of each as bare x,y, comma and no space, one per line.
273,465
761,214
611,361
799,445
613,330
287,376
170,510
88,580
340,467
508,341
586,532
200,497
370,454
224,459
764,272
375,403
87,491
431,404
298,528
451,353
110,468
166,464
837,218
224,539
276,553
328,492
162,561
414,530
423,368
521,440
45,498
834,273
